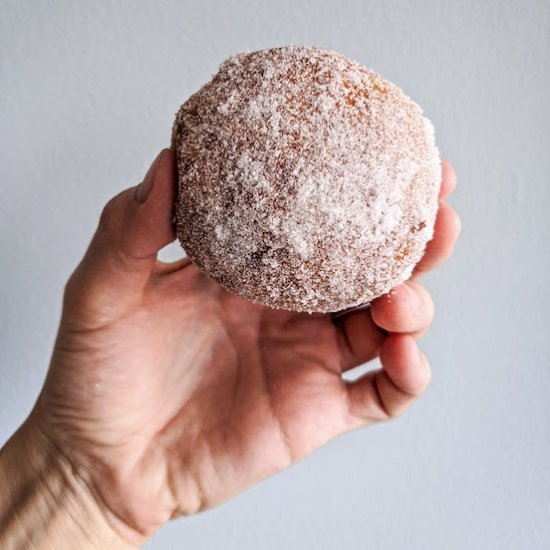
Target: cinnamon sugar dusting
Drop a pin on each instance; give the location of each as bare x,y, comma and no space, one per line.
306,181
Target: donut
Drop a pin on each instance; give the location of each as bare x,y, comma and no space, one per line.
306,181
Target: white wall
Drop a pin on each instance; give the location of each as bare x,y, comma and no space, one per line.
88,91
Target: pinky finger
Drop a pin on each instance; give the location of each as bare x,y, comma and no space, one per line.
387,393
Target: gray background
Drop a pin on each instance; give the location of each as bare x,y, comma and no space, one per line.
88,93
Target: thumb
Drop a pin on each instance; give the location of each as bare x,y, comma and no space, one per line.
133,227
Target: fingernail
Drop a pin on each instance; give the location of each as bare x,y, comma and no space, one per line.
143,190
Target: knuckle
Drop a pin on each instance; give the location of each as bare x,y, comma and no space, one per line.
107,216
70,287
113,210
74,293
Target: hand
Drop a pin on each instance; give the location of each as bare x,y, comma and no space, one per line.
168,395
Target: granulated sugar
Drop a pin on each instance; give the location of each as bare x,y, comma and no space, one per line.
306,181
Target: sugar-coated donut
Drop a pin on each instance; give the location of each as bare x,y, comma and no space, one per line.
306,181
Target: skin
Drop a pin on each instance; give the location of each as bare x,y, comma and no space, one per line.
167,395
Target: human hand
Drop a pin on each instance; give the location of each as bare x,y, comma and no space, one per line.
168,395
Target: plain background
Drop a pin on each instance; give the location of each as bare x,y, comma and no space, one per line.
87,97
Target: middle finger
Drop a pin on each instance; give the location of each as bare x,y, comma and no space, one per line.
408,308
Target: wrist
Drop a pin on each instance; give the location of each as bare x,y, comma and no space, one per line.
44,502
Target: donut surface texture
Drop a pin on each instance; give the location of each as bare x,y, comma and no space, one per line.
305,181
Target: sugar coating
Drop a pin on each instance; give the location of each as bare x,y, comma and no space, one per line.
306,181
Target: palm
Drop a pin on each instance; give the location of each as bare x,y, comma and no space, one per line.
218,387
